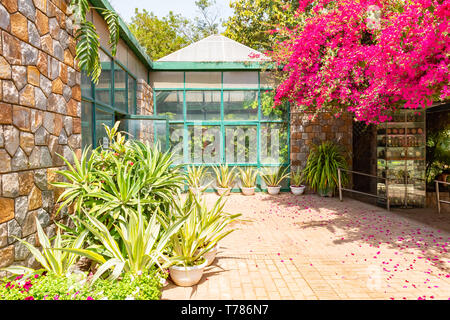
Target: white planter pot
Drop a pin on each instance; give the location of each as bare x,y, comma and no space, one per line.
297,190
211,255
222,191
273,190
187,276
248,191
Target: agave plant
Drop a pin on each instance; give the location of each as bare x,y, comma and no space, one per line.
274,177
144,243
224,176
203,229
296,178
248,177
321,170
51,259
195,177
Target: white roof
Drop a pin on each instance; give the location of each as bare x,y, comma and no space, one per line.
215,48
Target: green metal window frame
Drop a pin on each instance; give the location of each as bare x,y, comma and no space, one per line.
222,123
110,108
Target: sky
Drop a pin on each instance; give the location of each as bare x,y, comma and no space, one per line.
162,7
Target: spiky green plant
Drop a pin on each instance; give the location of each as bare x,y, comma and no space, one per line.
224,176
196,175
248,177
51,258
296,178
274,176
321,170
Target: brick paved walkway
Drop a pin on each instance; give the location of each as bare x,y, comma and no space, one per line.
309,247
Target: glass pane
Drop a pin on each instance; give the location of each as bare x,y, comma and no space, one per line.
170,104
131,95
86,88
146,130
274,143
176,132
167,79
267,80
240,144
203,105
103,88
102,117
240,79
203,80
204,144
240,105
268,110
86,124
120,88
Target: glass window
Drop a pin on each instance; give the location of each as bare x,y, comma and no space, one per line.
86,85
86,124
240,144
268,109
204,144
167,79
170,104
203,80
203,105
274,143
120,88
240,105
131,95
267,79
103,87
102,117
240,79
176,134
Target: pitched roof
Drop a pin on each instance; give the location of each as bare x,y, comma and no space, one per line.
215,48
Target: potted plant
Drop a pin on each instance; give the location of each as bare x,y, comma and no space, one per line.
296,187
225,179
194,246
195,177
273,179
321,170
248,179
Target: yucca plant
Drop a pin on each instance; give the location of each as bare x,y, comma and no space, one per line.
248,177
143,243
274,177
224,176
296,178
51,258
195,177
321,170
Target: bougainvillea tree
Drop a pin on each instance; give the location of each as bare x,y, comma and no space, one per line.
367,57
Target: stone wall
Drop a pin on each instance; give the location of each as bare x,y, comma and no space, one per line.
39,117
305,132
144,106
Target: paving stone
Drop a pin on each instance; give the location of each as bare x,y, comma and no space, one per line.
27,142
40,179
3,235
5,161
10,185
10,93
42,23
27,8
40,99
26,180
19,75
29,54
41,137
12,50
21,252
5,69
6,256
5,23
21,115
62,138
46,85
6,114
43,218
6,209
34,199
2,138
19,26
33,35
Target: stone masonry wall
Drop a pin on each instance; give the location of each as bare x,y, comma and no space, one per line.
39,117
305,132
144,103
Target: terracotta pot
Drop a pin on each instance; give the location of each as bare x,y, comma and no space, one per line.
273,190
225,191
297,190
248,191
187,276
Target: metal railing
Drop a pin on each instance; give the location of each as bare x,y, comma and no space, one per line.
360,192
437,194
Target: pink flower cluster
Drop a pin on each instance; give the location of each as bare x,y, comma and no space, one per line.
336,60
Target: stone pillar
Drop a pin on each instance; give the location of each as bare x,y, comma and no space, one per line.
305,132
144,96
40,113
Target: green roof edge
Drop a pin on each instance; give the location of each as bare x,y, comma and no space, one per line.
126,35
186,65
